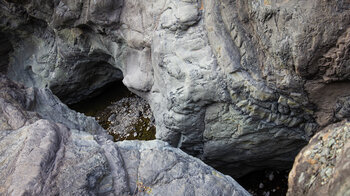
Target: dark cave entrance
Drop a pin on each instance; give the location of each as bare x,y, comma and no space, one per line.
268,182
111,92
5,49
122,113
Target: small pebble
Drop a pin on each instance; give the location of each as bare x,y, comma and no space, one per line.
261,185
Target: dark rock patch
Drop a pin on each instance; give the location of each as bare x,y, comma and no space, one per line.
265,182
5,49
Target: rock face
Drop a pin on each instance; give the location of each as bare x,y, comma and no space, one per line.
322,167
169,171
240,84
22,106
45,154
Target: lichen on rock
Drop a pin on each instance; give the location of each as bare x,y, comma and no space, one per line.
322,167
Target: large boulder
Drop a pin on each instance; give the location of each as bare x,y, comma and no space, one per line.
165,170
323,166
241,84
47,149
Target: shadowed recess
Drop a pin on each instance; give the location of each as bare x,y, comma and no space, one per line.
123,114
5,49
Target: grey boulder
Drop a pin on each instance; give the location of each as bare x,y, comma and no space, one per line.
322,167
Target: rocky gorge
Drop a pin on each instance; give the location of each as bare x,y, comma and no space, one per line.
240,85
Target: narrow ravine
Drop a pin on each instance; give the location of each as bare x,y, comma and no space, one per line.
122,113
128,117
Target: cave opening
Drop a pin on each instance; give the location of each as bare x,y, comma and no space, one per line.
271,182
122,113
5,49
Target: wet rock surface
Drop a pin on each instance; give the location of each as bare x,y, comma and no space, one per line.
322,167
48,149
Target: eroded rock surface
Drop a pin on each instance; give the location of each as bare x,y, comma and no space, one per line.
323,166
48,149
239,83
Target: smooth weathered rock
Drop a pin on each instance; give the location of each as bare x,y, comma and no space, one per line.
170,171
322,167
46,158
239,84
22,106
47,149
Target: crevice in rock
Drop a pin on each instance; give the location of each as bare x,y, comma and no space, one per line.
270,182
5,49
123,114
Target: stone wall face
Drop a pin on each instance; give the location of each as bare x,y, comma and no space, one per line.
48,149
240,84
